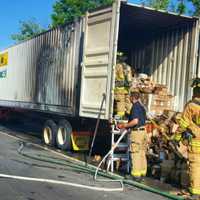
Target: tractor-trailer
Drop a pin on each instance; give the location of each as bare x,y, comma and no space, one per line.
65,71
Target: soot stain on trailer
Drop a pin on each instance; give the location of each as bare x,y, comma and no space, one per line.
52,60
45,69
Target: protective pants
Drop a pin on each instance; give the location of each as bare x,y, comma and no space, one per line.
194,166
138,139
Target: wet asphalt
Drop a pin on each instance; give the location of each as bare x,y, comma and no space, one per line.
27,165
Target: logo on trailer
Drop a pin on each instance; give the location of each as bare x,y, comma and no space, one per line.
3,64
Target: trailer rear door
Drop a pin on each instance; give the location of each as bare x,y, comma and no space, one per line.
99,57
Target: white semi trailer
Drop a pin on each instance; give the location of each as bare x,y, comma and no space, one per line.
64,72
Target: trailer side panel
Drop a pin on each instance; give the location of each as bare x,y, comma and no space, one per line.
41,73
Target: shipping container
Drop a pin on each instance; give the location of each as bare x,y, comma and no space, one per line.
67,70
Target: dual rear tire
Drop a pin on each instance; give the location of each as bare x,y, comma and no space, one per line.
57,135
63,137
49,133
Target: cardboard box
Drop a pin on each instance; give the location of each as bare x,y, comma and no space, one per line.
157,104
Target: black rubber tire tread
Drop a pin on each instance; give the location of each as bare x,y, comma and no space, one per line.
67,143
54,129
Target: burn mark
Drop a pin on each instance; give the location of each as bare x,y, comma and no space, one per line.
54,68
44,71
50,68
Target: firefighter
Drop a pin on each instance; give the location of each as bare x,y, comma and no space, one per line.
190,124
138,137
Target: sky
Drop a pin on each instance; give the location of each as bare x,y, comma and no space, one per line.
13,11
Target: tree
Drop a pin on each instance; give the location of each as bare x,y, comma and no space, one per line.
181,9
28,29
178,6
67,10
196,4
158,4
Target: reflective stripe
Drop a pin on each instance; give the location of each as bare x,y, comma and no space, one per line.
121,113
183,123
177,137
194,191
195,146
198,120
195,143
138,173
196,149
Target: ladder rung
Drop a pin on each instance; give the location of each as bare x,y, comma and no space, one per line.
121,153
122,145
122,159
120,156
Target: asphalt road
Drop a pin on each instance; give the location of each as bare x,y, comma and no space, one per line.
13,163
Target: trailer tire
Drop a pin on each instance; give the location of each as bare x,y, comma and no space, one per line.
63,138
49,133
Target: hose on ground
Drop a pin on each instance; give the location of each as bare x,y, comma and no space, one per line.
69,164
60,183
92,170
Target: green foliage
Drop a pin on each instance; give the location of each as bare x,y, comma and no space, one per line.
28,29
181,9
179,6
158,4
196,4
67,10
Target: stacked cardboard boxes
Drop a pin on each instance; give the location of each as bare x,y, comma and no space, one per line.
155,96
156,104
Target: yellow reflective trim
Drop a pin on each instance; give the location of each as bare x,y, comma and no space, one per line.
121,113
195,146
183,123
137,173
196,149
121,90
195,143
197,120
194,191
177,137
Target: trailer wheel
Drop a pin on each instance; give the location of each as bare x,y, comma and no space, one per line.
49,133
63,138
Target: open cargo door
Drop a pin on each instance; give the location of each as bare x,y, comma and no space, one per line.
99,57
198,61
193,68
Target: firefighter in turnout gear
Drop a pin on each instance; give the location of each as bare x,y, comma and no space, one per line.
138,137
190,124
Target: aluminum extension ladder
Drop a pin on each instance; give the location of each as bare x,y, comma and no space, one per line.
121,153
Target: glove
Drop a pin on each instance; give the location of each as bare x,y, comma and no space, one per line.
187,135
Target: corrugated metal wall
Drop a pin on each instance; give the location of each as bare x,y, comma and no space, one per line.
169,61
42,72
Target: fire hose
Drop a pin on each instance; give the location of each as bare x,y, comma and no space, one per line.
80,165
